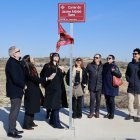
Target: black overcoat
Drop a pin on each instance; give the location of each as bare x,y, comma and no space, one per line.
55,93
32,98
15,79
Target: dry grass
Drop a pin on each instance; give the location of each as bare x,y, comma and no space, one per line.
121,100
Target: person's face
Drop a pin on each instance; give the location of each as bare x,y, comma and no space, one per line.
97,58
78,62
136,55
17,54
109,59
56,58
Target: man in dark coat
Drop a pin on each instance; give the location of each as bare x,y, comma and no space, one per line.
55,94
14,89
94,71
133,79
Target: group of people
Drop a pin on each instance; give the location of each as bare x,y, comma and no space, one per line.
22,78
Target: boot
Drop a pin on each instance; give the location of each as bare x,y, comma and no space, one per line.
97,115
90,115
111,116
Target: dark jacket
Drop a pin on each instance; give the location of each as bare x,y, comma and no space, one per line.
94,76
108,88
33,94
55,93
133,77
15,79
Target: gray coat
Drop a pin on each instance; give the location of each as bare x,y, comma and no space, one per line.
94,76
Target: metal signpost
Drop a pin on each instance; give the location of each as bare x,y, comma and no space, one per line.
71,12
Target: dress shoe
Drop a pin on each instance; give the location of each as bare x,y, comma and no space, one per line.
97,115
111,117
28,128
14,135
106,116
136,119
34,125
19,132
90,115
59,127
129,117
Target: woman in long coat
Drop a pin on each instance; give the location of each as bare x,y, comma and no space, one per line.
110,69
33,92
55,93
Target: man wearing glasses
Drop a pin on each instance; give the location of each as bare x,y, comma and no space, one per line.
14,89
133,79
94,70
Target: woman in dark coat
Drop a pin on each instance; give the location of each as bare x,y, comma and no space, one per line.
33,92
55,93
110,69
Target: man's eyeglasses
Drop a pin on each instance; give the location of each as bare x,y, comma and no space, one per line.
108,58
135,53
17,51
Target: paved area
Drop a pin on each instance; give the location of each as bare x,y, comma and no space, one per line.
83,129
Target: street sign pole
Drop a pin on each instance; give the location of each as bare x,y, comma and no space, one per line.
70,13
70,88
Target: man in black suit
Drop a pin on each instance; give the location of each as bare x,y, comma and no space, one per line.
15,84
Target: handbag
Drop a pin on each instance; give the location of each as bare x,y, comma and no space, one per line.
117,81
77,91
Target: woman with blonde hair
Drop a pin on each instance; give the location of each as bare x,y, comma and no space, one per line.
79,81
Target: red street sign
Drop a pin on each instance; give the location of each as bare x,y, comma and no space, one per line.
71,12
